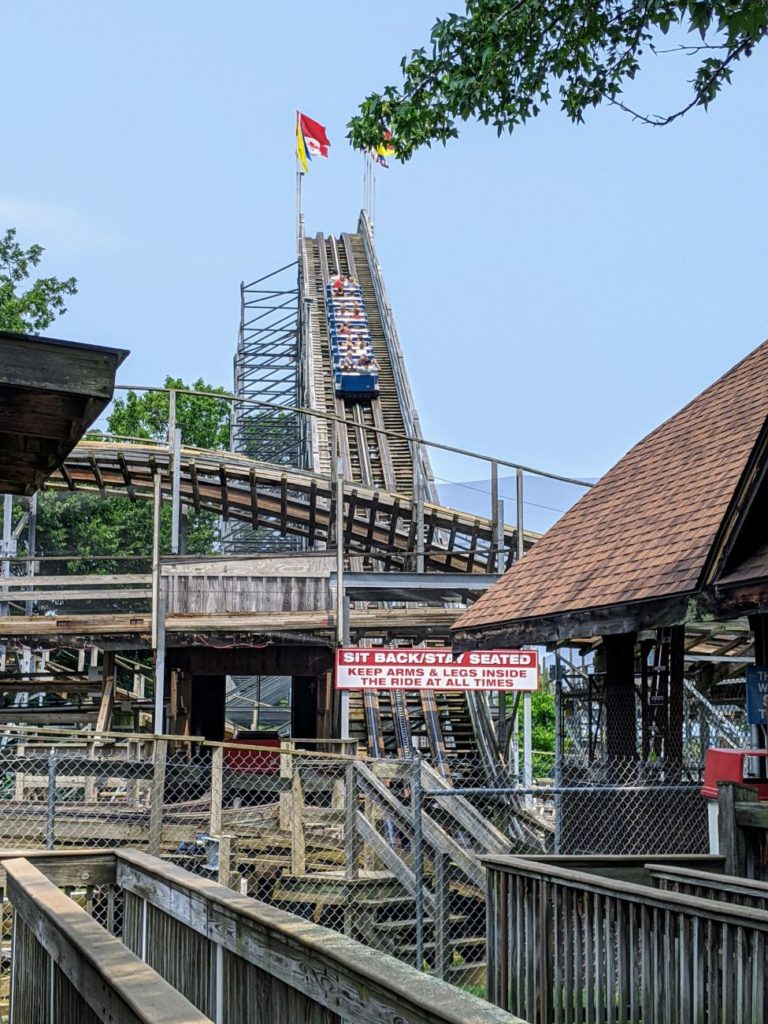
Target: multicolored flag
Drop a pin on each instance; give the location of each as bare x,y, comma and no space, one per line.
378,158
383,150
311,140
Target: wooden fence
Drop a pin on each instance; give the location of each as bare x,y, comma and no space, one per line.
240,953
67,969
567,947
194,951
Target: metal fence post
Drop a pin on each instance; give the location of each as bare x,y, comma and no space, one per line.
417,803
50,817
493,550
558,772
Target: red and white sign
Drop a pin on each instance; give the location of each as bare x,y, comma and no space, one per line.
434,668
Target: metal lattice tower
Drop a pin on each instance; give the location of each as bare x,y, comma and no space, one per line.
266,370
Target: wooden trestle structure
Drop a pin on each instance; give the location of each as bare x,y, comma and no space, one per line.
379,524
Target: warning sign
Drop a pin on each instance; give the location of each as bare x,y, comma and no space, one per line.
434,668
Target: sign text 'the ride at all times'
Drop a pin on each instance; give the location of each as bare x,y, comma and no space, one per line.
434,668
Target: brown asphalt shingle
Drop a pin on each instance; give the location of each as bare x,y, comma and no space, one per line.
646,528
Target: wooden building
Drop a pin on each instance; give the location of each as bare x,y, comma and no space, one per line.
674,535
51,391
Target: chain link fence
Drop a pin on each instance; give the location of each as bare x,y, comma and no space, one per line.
386,851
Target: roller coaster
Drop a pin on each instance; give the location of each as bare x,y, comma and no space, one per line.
333,350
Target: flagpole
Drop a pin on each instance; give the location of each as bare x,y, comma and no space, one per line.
299,175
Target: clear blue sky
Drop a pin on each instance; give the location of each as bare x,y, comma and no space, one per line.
558,292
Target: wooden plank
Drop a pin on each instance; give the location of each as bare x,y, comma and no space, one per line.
86,580
115,984
254,499
104,719
67,593
357,982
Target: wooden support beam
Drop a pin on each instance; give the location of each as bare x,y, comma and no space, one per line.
284,505
312,513
224,492
126,476
195,486
254,499
104,719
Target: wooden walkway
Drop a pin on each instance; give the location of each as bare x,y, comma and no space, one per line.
191,951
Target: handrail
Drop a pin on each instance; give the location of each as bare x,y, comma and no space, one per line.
566,946
89,968
327,969
396,434
733,885
392,341
630,891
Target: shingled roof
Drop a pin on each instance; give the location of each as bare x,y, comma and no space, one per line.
650,529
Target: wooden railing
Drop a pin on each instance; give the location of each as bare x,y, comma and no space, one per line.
67,969
709,886
189,951
229,955
567,947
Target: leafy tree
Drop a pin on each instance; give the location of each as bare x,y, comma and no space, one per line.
502,60
542,725
89,524
203,421
31,311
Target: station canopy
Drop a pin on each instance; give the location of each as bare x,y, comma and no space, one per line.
51,391
676,531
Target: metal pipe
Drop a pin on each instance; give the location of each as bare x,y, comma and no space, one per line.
175,456
157,498
520,520
493,554
527,740
340,604
396,434
677,787
160,670
417,804
6,544
31,542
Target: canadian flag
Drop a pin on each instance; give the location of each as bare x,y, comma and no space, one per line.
315,137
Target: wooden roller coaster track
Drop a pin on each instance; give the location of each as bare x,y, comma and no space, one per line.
379,524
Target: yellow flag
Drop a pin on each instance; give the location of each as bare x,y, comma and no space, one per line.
301,149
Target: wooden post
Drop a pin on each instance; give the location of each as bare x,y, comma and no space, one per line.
157,798
733,844
351,837
227,859
621,729
217,790
298,848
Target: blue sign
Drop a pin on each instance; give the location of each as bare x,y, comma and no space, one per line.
757,695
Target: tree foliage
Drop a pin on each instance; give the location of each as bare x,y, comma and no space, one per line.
502,61
87,525
203,421
33,310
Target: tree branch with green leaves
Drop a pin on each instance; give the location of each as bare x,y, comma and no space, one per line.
33,310
503,61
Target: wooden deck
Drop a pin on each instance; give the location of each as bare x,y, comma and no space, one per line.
190,951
